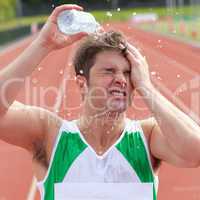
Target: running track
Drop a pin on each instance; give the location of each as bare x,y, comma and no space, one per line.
175,71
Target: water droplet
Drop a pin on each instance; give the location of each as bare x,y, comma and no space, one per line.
118,9
68,114
174,31
159,78
109,14
81,71
52,5
100,152
34,80
39,68
56,111
178,75
179,91
159,41
107,24
153,73
61,72
134,13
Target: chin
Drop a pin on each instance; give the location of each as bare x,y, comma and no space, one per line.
119,107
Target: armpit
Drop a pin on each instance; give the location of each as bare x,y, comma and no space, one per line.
40,154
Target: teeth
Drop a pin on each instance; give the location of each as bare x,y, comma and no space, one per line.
117,93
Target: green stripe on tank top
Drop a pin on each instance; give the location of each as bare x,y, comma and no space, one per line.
133,149
69,147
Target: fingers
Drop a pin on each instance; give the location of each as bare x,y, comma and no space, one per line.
71,39
134,51
61,8
132,58
78,36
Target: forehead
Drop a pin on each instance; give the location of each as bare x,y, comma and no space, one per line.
111,58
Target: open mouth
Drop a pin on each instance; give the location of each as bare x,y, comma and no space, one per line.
117,93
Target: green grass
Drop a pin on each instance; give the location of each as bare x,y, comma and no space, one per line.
21,22
189,32
103,16
189,14
125,14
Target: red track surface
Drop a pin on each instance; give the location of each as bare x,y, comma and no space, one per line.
177,69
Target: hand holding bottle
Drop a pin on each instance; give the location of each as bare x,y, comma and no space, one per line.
50,37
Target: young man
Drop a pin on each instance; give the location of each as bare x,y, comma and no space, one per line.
103,154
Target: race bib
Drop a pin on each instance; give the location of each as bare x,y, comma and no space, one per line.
103,191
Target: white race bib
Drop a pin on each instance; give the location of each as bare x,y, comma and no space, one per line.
103,191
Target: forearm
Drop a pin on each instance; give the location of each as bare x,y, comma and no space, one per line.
181,132
13,76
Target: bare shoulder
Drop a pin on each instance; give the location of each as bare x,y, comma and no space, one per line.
30,127
148,125
52,124
44,147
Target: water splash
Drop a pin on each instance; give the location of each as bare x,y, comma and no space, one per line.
159,78
39,69
174,31
61,72
153,73
109,14
34,81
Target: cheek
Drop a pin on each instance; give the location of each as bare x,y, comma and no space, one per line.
101,81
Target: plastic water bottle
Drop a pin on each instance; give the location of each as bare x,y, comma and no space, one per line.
73,21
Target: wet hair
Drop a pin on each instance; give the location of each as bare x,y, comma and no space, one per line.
85,55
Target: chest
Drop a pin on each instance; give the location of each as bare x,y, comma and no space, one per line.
111,167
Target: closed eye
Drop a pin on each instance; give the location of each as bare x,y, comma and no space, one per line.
109,70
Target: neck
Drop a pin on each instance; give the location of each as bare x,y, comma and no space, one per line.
103,129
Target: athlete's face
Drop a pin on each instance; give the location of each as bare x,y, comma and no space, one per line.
109,87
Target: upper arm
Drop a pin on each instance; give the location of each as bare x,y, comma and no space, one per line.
159,146
25,126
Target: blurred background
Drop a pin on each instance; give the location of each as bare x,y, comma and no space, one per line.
179,18
167,32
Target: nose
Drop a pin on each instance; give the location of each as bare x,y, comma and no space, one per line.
120,80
